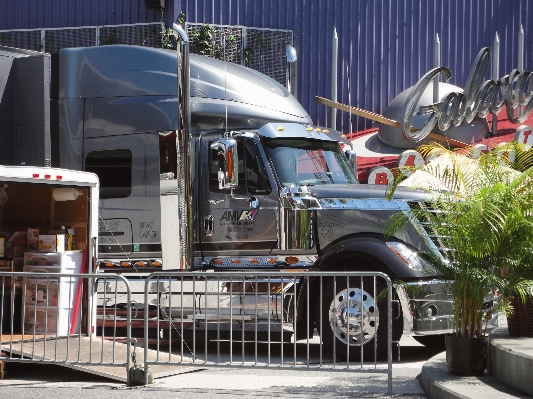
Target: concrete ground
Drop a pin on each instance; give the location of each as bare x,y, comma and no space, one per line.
51,381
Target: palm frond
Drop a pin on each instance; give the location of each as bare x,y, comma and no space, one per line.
482,212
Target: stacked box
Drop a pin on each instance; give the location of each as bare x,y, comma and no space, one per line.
33,240
42,292
16,245
49,301
52,243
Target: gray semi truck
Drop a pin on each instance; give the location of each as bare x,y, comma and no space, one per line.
206,165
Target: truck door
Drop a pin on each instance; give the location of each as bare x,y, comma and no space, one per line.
243,223
130,218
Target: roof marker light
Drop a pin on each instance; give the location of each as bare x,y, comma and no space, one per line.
280,128
35,175
48,177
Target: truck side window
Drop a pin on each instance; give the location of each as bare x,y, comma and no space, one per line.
113,168
168,155
256,177
252,173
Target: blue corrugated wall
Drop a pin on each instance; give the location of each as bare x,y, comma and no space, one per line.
384,45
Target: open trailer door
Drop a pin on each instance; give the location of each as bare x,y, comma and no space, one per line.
48,224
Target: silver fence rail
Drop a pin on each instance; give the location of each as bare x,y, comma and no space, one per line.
51,40
264,319
53,317
261,49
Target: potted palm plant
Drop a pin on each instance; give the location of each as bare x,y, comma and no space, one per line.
520,318
479,214
520,274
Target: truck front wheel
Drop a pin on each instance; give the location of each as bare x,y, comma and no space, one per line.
352,317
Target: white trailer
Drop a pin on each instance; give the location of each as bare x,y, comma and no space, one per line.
43,200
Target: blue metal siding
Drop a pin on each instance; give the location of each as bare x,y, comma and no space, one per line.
386,44
28,14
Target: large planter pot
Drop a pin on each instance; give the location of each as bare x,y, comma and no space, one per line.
466,356
520,323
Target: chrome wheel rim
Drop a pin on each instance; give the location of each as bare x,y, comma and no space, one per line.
354,316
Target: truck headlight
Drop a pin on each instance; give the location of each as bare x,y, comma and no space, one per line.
408,256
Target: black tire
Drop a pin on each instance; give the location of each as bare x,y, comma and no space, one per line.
375,314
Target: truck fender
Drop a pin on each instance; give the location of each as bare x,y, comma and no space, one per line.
375,251
361,254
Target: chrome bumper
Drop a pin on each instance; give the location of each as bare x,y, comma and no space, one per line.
427,308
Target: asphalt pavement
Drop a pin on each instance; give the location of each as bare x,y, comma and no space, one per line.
52,381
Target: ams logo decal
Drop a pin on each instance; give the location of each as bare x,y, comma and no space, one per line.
239,216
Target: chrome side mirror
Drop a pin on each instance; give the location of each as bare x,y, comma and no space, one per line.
228,163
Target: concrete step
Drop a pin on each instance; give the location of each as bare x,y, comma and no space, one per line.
511,360
510,363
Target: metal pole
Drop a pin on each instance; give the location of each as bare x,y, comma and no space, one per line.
244,43
334,68
520,65
436,64
43,40
495,74
290,53
183,144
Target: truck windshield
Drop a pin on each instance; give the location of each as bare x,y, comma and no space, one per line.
309,162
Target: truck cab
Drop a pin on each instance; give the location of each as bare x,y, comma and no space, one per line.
233,175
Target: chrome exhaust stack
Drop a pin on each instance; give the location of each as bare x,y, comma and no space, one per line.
183,144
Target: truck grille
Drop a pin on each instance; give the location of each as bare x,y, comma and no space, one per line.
434,240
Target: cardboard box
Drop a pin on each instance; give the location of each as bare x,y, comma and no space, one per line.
33,240
70,241
51,243
16,245
5,265
61,243
47,243
2,247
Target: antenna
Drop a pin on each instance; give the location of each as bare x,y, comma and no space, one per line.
334,60
225,77
349,95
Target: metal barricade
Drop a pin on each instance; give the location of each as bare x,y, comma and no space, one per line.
261,319
54,318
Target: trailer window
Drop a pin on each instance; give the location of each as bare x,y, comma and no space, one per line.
113,168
